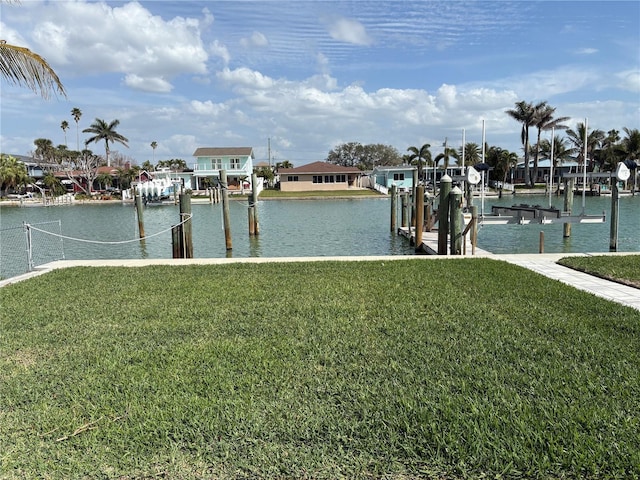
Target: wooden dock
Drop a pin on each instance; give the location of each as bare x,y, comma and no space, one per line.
429,244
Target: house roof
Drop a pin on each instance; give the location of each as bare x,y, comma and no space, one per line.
222,151
319,167
395,167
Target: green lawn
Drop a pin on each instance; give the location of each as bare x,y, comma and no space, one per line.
335,193
624,268
396,369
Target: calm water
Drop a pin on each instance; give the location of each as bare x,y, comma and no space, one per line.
287,228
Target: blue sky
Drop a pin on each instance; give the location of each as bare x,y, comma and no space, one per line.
309,75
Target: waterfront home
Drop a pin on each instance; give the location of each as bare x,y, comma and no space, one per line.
236,161
544,169
319,176
399,175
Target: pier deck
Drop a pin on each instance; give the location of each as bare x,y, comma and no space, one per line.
430,242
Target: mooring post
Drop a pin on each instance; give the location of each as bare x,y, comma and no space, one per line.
428,215
419,215
541,246
403,207
185,219
414,184
176,244
225,209
455,220
568,205
443,214
613,232
474,229
394,198
254,200
139,210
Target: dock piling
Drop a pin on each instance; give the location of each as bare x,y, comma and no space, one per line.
443,214
419,215
455,221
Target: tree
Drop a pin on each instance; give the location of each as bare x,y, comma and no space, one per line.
20,66
577,136
154,145
472,153
79,165
65,126
12,174
283,165
53,183
524,113
45,151
102,130
175,164
126,176
76,114
543,120
631,143
147,166
364,157
417,156
447,154
105,180
346,154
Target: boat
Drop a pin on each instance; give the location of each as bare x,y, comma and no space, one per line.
161,187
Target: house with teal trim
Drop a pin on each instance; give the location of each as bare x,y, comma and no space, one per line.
388,175
236,161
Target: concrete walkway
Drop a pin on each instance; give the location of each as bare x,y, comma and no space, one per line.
544,264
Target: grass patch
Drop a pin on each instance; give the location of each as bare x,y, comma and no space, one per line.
319,194
619,268
401,369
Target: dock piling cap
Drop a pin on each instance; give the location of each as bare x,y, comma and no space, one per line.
446,178
455,191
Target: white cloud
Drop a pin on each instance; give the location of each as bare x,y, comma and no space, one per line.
349,31
207,108
256,39
587,51
148,84
629,80
219,50
95,38
241,78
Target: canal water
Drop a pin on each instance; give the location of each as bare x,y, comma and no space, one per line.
292,228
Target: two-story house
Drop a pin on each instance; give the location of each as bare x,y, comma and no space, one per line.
236,161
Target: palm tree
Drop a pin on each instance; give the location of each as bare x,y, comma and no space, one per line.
446,155
76,114
418,155
45,151
543,120
147,166
103,131
524,113
104,179
577,136
631,143
154,145
65,126
20,66
12,173
472,154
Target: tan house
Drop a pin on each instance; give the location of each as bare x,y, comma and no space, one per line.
319,176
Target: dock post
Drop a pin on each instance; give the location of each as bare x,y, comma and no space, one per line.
419,215
443,214
403,206
225,209
254,202
474,229
394,198
455,221
176,246
541,246
613,232
428,216
413,197
568,205
139,211
186,227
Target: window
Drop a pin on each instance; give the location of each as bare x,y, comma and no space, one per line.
317,179
216,164
328,179
398,176
340,179
235,164
292,178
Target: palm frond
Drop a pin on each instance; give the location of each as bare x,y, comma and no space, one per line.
20,66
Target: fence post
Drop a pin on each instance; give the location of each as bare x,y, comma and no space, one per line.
27,231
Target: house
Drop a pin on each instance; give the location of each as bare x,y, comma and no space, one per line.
544,169
236,161
319,176
399,175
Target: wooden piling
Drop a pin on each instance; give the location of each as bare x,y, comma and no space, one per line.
455,221
615,201
187,230
254,201
225,209
403,207
139,210
419,215
394,198
443,214
428,216
541,243
568,204
474,229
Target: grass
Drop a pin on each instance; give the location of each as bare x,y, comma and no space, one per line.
624,268
319,194
398,369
